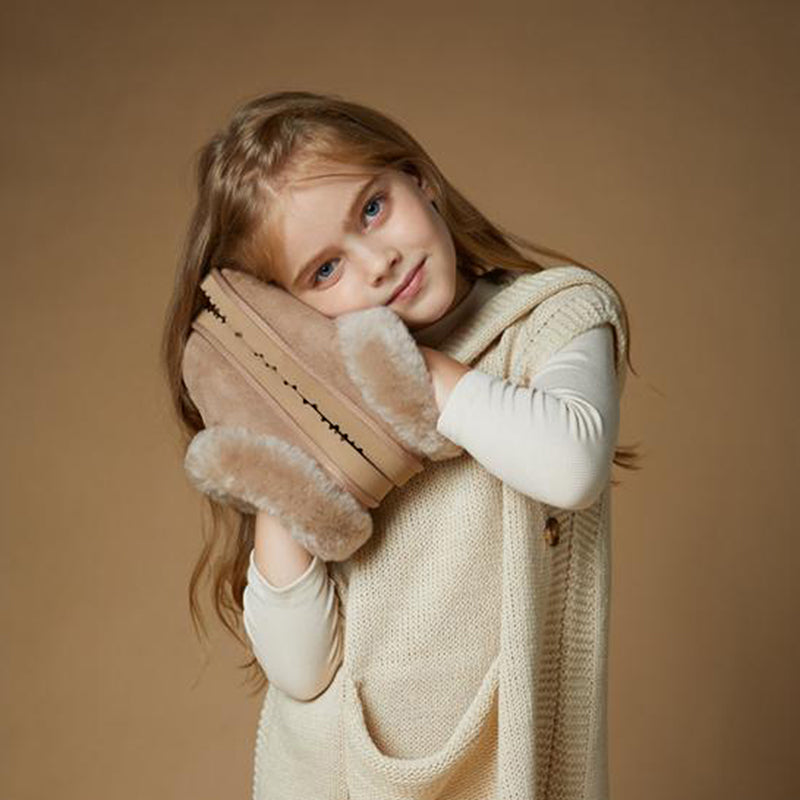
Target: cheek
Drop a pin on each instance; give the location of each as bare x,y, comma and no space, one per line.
437,227
443,238
339,299
416,224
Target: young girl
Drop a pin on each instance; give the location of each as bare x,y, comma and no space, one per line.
461,652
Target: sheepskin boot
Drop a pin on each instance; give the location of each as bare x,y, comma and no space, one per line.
309,418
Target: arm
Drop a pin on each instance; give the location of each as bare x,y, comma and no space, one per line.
292,623
553,440
278,555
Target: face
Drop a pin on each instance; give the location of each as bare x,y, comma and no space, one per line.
349,241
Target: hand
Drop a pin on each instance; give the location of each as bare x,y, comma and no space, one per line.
445,373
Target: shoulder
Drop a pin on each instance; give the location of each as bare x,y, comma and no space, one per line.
569,292
567,302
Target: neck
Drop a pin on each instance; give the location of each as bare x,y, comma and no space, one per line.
463,286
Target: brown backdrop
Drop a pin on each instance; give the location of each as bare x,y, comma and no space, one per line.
657,141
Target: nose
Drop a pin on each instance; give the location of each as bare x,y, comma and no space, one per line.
379,266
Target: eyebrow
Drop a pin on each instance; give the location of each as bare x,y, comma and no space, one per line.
354,205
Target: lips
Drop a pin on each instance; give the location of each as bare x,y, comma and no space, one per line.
405,283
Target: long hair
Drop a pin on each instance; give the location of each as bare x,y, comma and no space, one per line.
238,172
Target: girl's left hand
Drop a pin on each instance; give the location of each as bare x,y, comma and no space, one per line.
445,373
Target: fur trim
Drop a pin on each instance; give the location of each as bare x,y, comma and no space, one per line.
385,364
258,472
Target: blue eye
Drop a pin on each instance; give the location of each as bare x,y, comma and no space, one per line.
321,267
376,198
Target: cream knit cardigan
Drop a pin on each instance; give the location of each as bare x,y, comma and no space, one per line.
475,618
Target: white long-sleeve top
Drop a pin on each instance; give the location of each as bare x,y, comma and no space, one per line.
553,440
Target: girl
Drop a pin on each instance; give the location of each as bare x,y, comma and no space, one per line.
461,652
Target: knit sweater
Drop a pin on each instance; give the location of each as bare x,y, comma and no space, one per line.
551,441
471,650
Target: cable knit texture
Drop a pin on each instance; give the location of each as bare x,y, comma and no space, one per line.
475,619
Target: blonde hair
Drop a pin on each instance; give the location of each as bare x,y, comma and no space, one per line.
239,171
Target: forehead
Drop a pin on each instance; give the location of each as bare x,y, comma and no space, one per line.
322,186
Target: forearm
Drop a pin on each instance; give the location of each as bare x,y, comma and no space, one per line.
278,556
294,629
553,439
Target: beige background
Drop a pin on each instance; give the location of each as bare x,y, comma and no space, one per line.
656,140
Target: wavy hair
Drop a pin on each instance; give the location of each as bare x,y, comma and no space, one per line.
239,171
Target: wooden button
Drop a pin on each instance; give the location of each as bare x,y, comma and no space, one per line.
552,531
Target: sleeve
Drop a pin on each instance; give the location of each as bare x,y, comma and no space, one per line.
295,629
553,440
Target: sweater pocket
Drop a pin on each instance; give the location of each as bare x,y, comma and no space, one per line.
462,769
